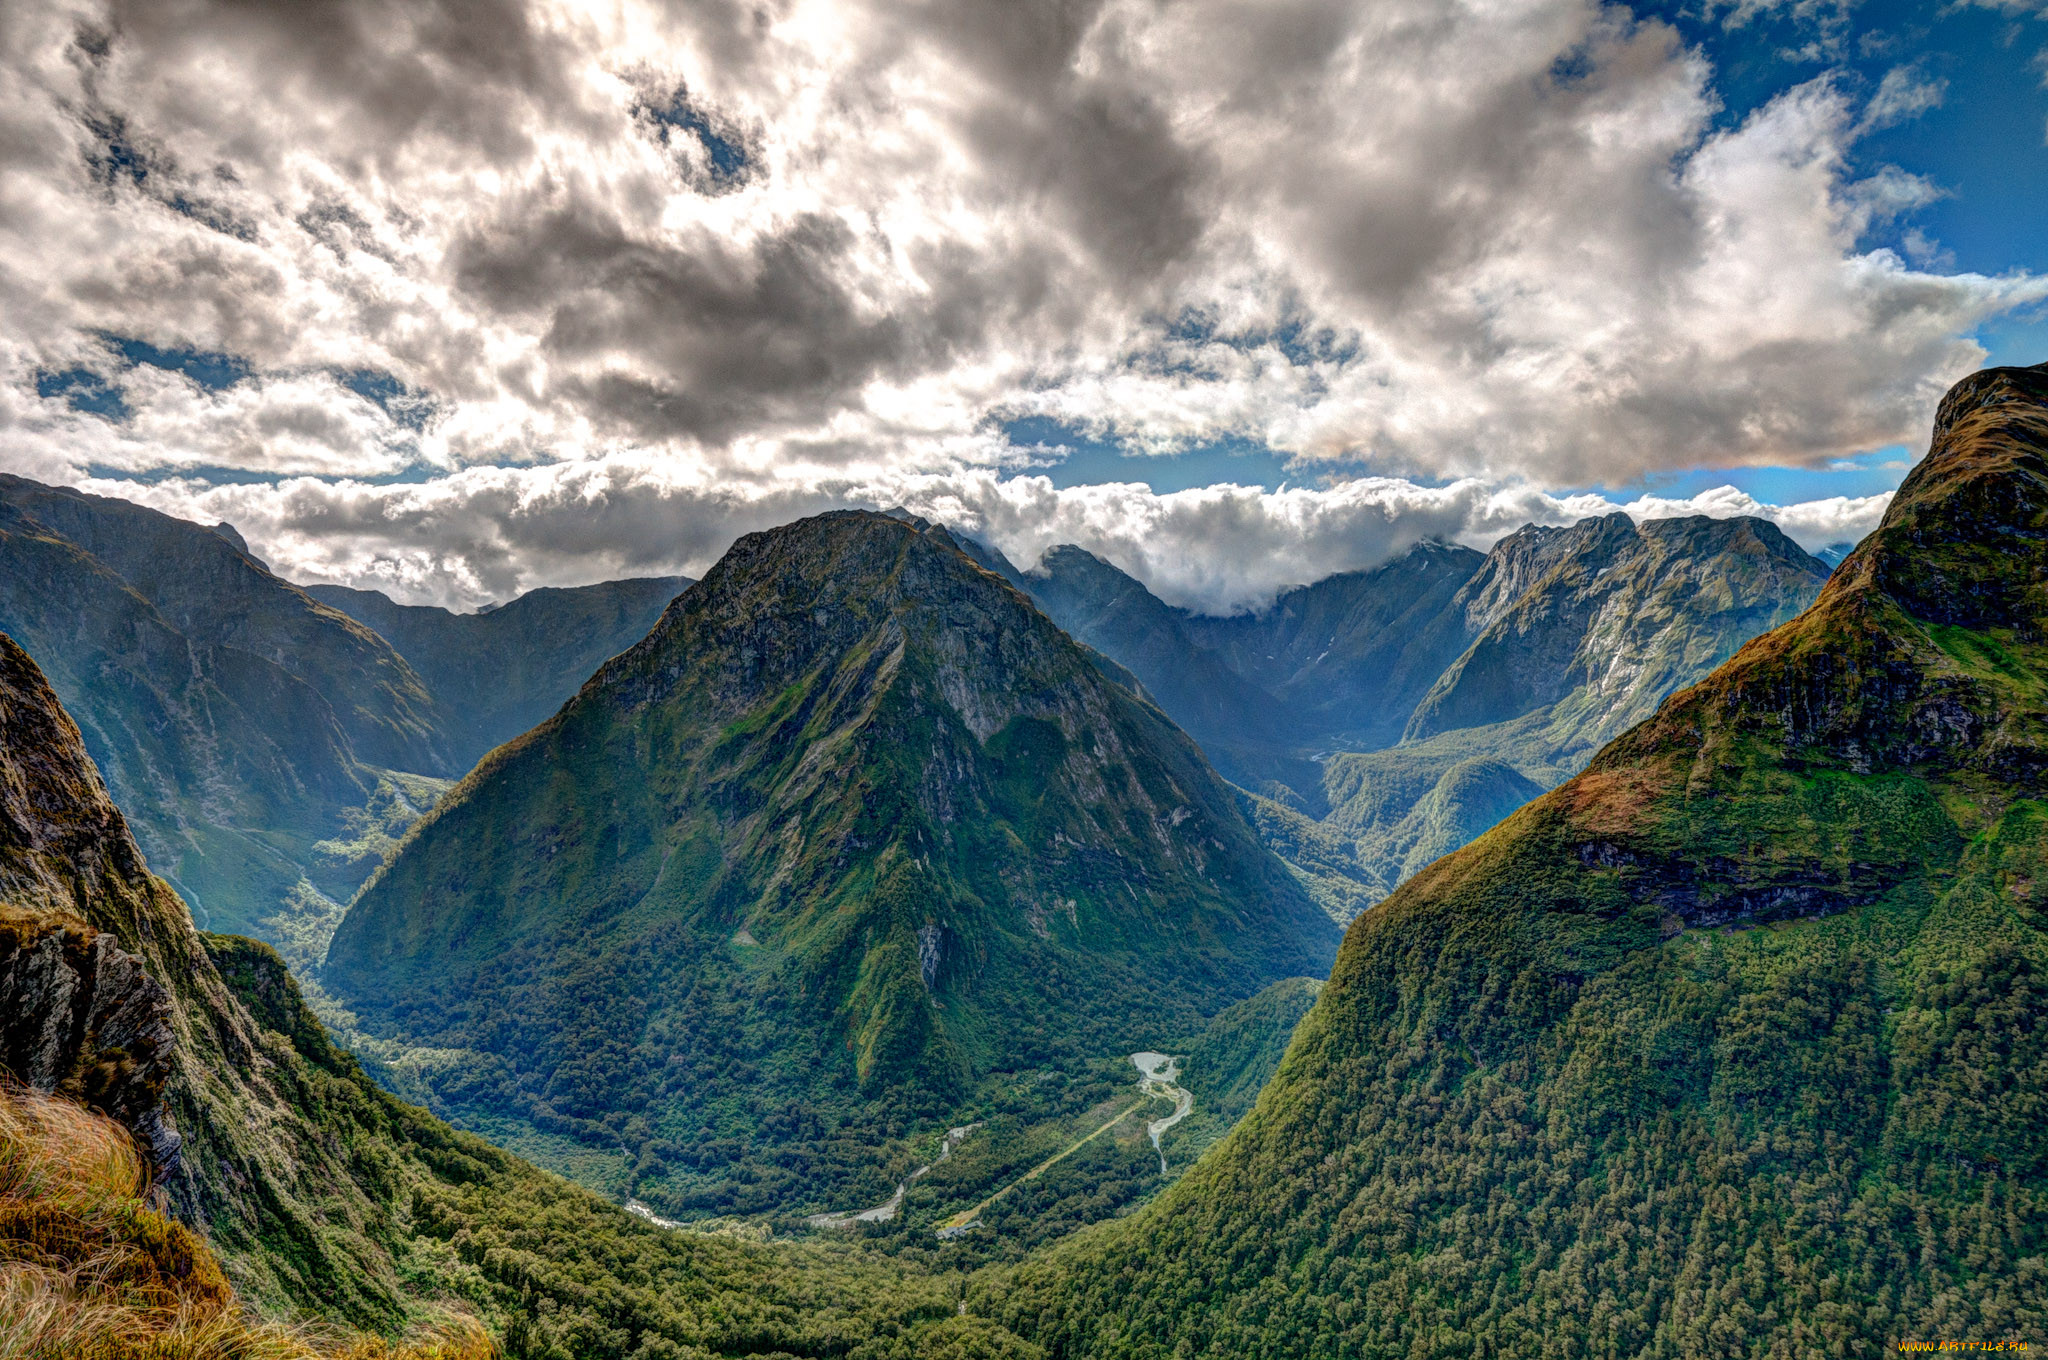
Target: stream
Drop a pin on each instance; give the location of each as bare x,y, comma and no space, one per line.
1159,1075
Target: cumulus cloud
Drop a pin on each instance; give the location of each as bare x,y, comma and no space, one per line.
572,278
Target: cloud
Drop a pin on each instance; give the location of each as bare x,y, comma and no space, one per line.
1902,95
483,534
740,259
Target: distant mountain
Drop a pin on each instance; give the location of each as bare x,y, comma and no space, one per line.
328,1201
1835,553
1348,657
268,743
1336,665
501,671
1731,1044
264,746
852,829
1403,710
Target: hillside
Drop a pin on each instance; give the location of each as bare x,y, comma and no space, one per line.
500,671
1732,1044
270,744
852,831
1382,718
264,746
322,1199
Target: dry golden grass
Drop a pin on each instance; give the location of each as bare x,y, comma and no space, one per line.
89,1271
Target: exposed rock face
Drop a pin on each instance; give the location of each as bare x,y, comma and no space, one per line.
960,847
236,719
1614,614
268,743
80,1018
1359,709
108,995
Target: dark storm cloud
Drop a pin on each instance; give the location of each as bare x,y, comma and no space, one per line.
695,337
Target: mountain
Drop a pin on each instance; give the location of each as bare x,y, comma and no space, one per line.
1731,1044
1385,717
852,830
1348,657
1596,623
498,672
268,743
1338,663
321,1199
1101,606
264,745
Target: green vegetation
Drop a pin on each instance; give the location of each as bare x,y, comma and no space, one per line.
1233,1059
500,671
90,1271
341,1218
1381,719
268,749
785,890
1731,1045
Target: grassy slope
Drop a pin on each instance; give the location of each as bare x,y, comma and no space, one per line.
91,1269
956,848
1731,1045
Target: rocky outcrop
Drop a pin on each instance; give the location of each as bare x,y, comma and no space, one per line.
80,1017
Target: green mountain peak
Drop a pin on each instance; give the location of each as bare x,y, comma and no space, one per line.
854,826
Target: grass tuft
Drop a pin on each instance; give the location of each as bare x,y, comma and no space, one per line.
91,1270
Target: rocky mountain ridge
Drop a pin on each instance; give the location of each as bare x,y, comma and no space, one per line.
334,1207
267,747
1381,718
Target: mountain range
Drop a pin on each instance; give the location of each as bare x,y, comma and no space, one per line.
854,831
1382,718
1731,1044
285,1186
269,748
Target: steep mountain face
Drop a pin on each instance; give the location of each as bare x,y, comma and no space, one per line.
1600,621
270,743
1364,710
328,1200
239,721
853,827
1349,656
496,673
1339,663
115,1001
1734,1043
1235,720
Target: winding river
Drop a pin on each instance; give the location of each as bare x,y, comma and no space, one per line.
1159,1075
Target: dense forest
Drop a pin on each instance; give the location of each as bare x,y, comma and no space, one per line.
1733,1045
